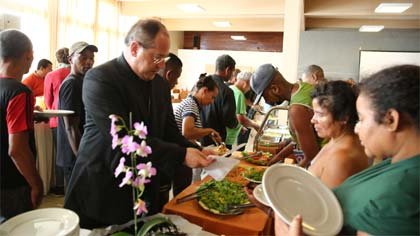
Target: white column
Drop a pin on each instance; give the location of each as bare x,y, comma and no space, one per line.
293,24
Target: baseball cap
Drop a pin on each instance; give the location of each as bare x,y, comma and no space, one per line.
80,46
261,79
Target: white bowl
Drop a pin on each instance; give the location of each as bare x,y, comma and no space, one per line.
42,222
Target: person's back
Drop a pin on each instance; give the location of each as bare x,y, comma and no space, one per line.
222,112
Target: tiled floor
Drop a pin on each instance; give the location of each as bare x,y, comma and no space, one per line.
52,200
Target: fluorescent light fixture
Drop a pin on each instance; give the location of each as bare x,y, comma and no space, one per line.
371,28
392,7
191,8
237,37
223,24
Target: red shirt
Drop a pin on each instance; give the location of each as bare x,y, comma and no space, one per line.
35,83
52,84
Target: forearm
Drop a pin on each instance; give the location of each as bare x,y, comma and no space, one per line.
25,163
196,133
73,136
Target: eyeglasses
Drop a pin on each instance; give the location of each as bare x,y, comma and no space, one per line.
159,59
156,59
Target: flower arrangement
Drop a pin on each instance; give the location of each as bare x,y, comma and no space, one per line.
132,143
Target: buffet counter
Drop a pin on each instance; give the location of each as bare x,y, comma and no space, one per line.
252,222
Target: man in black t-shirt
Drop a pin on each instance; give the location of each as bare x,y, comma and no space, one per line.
70,128
21,186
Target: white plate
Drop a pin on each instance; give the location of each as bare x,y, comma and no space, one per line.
292,190
54,113
42,222
258,193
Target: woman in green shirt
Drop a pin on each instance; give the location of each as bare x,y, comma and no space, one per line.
384,199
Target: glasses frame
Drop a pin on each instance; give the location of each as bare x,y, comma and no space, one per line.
156,59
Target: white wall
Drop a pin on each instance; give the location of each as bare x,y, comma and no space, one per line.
196,62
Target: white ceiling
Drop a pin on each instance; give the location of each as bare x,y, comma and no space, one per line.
268,15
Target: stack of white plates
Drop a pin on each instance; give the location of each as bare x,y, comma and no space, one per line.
42,222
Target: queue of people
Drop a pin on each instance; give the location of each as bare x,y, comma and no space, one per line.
338,126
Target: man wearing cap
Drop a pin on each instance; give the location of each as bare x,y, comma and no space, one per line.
269,83
221,114
70,128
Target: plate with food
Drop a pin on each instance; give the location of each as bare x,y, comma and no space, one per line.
254,175
257,158
220,197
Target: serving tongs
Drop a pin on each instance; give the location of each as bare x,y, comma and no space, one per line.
193,195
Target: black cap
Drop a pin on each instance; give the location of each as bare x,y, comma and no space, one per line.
261,79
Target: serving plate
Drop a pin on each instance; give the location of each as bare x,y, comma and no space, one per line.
258,193
246,174
291,190
42,222
53,113
220,196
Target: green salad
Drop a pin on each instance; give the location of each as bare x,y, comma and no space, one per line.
254,174
218,196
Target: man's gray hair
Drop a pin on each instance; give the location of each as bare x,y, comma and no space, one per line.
13,44
244,75
313,69
144,32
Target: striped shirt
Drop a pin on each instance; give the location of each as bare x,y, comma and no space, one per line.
188,107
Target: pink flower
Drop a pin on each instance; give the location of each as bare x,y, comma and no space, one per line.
141,130
127,178
121,167
143,150
146,170
114,128
115,141
140,207
140,181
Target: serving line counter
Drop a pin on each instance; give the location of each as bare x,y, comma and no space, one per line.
252,222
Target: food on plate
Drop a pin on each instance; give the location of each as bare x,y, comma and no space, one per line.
254,175
236,176
258,158
220,195
221,149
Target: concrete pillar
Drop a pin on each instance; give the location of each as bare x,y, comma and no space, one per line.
293,25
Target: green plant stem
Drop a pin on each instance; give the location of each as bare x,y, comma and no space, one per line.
133,164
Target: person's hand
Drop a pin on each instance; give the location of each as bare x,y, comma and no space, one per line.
216,136
194,158
282,229
209,151
37,193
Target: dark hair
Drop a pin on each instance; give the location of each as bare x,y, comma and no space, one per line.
173,62
224,61
144,32
14,44
62,55
206,81
43,63
339,98
394,88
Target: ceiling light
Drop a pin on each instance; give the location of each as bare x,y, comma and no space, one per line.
191,8
223,24
392,7
237,37
371,28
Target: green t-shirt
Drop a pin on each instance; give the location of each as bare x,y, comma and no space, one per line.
382,200
232,134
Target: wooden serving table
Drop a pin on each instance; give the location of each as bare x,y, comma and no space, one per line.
252,222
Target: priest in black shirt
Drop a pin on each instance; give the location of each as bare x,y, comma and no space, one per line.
124,85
